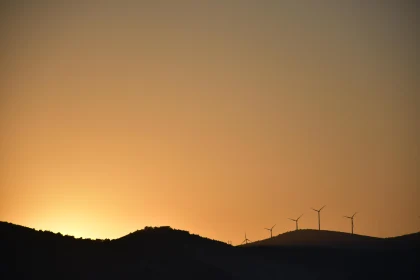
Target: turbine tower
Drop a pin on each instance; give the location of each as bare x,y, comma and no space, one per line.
246,240
351,218
296,220
319,216
271,231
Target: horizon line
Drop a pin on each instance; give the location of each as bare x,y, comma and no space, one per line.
91,238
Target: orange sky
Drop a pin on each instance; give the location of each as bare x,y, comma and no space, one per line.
217,118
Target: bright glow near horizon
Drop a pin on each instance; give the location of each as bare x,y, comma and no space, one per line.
209,117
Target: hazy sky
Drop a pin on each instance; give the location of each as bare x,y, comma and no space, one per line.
217,117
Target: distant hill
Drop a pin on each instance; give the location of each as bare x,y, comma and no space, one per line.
166,253
334,239
167,237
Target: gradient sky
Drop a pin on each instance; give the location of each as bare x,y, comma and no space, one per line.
217,117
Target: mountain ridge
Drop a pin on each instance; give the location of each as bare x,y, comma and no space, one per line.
163,252
148,231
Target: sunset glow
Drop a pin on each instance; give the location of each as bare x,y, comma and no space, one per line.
209,117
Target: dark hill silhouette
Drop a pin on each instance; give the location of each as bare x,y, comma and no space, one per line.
413,238
157,253
323,238
334,239
166,253
166,236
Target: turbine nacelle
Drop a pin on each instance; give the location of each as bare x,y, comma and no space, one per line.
246,240
319,209
271,230
351,216
296,221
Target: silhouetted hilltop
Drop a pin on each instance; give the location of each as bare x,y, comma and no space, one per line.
171,243
413,237
408,240
167,236
334,239
156,237
310,237
9,231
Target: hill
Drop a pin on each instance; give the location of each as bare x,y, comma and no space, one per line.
152,252
317,238
412,239
165,253
164,237
334,239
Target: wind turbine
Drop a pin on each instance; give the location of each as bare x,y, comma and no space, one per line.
319,216
296,220
246,240
271,231
351,218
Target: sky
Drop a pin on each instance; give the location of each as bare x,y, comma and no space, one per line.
216,117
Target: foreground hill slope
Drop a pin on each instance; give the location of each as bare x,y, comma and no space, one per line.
165,253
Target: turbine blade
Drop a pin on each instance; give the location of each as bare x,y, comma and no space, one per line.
354,214
347,217
314,209
322,207
299,217
267,228
292,219
273,226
